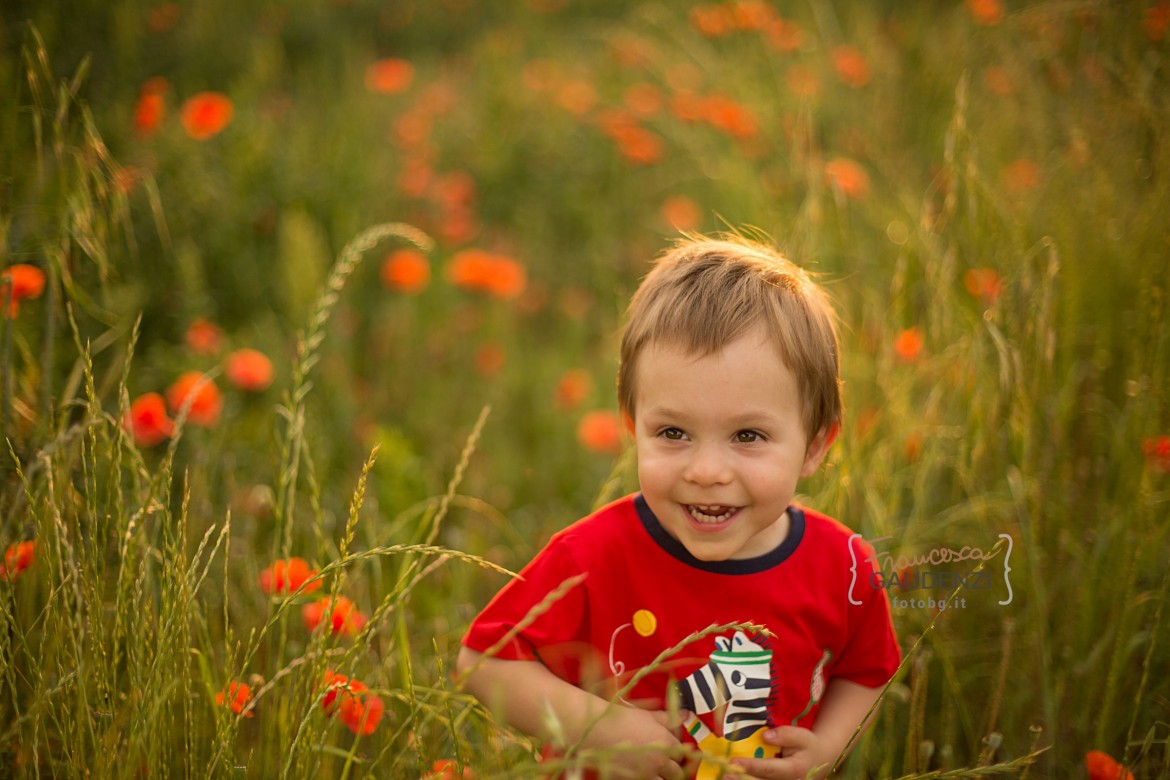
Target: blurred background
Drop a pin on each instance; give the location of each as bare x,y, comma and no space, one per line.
981,186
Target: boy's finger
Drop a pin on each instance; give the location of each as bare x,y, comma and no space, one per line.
788,736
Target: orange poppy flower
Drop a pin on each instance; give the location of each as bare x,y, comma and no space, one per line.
986,12
1102,766
577,97
235,697
147,420
1157,452
681,213
498,275
203,337
908,344
848,177
752,14
784,35
20,281
389,75
983,283
249,370
343,615
802,80
643,99
912,446
730,117
287,576
1156,22
206,114
351,700
406,270
600,431
712,21
573,388
163,17
151,107
206,401
1021,175
640,146
490,359
851,65
999,80
18,557
446,769
687,105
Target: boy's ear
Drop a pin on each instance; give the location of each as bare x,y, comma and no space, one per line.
818,448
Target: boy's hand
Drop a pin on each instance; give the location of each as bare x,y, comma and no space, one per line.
802,755
647,745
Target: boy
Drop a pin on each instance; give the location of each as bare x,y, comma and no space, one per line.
729,383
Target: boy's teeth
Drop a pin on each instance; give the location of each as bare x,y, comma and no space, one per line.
710,513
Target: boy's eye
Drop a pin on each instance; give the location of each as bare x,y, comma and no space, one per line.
673,434
747,437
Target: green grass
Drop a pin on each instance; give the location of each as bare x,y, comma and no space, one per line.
408,473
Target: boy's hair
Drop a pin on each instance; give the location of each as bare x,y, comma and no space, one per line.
704,293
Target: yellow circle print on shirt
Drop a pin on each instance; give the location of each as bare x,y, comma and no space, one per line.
644,622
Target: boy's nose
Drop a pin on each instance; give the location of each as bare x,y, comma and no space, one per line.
707,466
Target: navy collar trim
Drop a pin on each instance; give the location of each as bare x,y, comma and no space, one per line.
736,566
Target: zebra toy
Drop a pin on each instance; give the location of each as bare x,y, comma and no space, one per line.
738,677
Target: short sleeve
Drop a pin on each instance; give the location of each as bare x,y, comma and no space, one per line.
545,607
871,654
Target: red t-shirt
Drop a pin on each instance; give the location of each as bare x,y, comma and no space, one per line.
642,593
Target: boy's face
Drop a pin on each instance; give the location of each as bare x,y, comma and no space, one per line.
721,445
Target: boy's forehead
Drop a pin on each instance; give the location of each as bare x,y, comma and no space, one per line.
680,349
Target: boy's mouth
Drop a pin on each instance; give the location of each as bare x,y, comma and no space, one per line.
710,514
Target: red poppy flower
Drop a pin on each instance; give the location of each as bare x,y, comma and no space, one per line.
350,700
206,114
343,615
732,118
983,283
204,337
802,80
577,97
784,34
600,431
389,75
1157,21
490,358
643,98
406,270
21,282
497,275
681,213
573,388
446,769
18,557
147,420
851,65
1102,766
151,107
287,576
908,344
236,697
249,370
986,12
206,403
1157,452
848,177
712,21
1021,175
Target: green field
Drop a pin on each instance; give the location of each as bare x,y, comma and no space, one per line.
428,215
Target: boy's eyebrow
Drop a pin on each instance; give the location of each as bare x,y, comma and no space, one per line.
742,420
